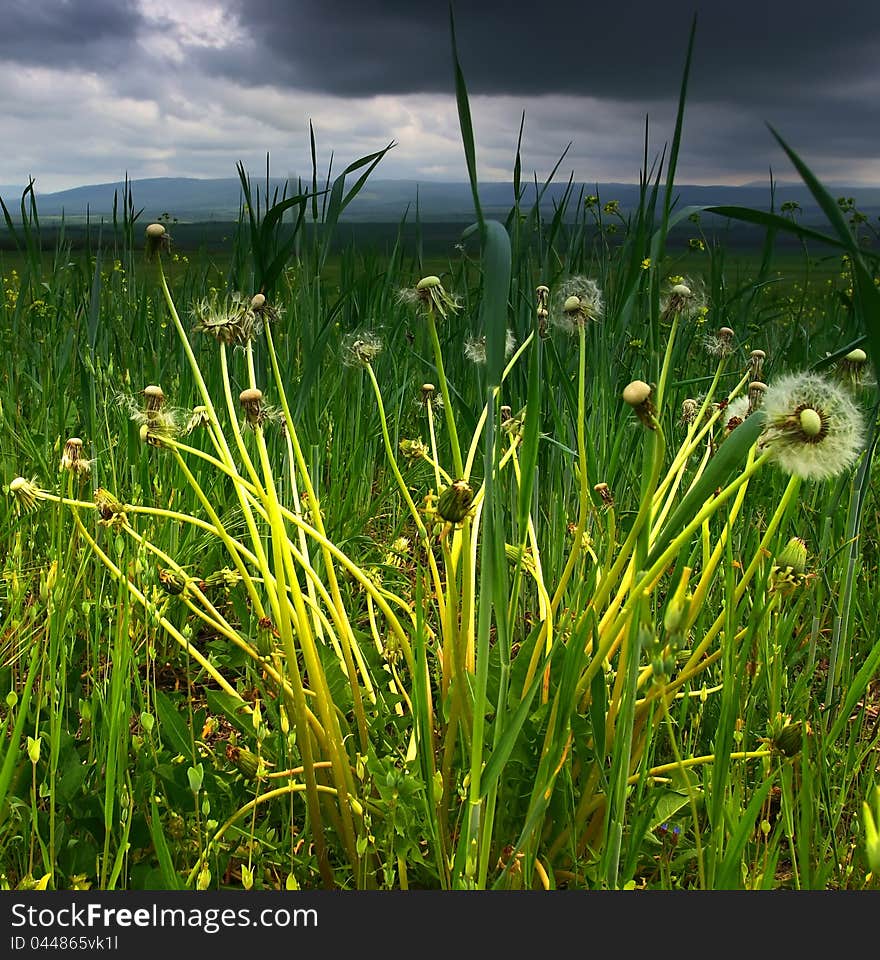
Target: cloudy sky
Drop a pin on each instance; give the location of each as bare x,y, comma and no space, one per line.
92,89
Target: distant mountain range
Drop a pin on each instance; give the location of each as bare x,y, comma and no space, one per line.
189,199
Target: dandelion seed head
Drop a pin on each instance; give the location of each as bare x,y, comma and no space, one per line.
578,300
720,344
687,298
229,320
360,349
475,349
813,430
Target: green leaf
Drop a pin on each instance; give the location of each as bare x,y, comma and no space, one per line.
172,729
160,845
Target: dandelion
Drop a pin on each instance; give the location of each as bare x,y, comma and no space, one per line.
399,553
604,493
155,418
475,349
638,395
720,344
198,418
689,409
428,397
789,572
756,364
813,430
256,413
26,493
542,297
757,389
230,321
413,449
454,502
264,312
430,292
158,240
685,298
360,349
72,459
853,367
579,300
110,510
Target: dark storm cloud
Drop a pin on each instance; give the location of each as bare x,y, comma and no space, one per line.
746,52
60,33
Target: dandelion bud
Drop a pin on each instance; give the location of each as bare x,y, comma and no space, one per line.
790,739
428,283
506,412
454,501
857,356
251,401
790,569
245,761
428,390
542,295
638,395
793,556
682,290
258,301
171,581
572,304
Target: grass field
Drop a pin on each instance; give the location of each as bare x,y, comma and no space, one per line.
547,561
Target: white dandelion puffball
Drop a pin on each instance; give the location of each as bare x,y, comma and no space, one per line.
813,430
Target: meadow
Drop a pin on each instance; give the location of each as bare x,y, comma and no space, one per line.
545,561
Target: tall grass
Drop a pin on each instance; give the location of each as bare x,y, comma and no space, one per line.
339,606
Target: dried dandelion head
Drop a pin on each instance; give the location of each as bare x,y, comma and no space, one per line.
157,240
431,293
756,364
638,395
256,413
151,412
853,368
111,511
26,494
72,460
